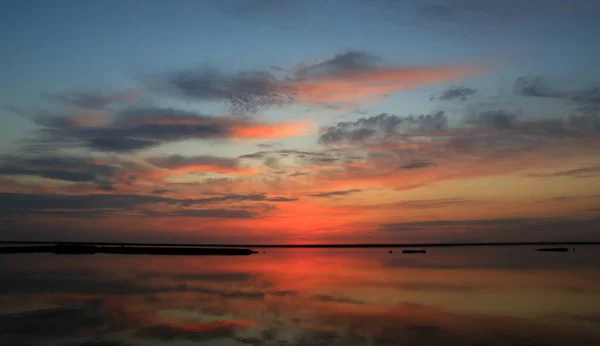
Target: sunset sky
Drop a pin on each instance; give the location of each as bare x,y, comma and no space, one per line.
300,121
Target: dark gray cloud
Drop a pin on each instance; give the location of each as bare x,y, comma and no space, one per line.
335,193
382,126
536,86
200,276
178,161
23,203
492,119
112,144
461,93
67,168
342,64
134,129
244,92
417,165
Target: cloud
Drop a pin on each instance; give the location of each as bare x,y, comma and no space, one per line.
382,127
244,92
536,86
193,331
347,77
583,172
335,193
492,119
67,168
211,213
462,93
94,100
201,164
417,165
431,203
59,204
340,65
144,128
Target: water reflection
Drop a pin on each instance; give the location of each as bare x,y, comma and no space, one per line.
469,296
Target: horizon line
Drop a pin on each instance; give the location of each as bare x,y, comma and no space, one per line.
333,245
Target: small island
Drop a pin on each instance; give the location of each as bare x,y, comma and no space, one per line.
554,249
414,251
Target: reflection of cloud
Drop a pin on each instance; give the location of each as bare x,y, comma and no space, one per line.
333,299
424,325
192,331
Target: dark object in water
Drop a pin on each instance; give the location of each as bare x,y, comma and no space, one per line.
126,250
554,249
414,251
390,251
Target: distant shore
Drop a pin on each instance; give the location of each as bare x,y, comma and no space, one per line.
250,246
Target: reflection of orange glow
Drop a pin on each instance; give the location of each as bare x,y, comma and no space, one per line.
210,326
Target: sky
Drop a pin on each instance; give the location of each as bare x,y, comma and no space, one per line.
300,122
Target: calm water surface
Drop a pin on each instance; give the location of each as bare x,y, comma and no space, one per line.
464,296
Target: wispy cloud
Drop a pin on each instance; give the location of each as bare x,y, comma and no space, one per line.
461,93
583,172
335,193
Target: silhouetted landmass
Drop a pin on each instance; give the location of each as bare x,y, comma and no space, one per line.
72,249
554,249
414,251
420,245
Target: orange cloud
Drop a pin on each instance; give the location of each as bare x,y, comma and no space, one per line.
265,130
374,83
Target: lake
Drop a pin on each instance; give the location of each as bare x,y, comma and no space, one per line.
448,296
